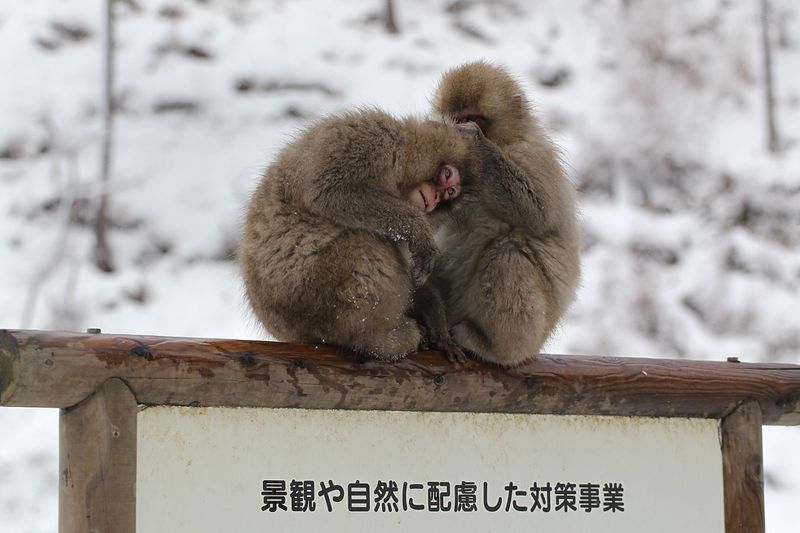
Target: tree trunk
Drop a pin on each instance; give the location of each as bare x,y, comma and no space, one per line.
102,252
773,143
391,22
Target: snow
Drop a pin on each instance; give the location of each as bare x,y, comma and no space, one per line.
692,228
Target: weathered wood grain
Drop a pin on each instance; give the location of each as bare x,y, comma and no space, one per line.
52,369
97,463
742,469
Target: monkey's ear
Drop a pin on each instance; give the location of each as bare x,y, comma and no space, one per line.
518,105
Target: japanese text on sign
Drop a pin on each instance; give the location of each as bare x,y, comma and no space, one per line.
440,496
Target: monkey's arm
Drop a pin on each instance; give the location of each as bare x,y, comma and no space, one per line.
376,210
430,312
508,192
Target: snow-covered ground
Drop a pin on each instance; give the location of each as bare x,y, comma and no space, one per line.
692,228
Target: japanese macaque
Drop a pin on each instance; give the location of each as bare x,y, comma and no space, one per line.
339,232
509,265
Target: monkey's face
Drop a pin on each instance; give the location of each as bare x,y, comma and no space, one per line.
445,186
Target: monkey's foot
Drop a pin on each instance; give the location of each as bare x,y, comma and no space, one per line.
471,338
451,350
393,345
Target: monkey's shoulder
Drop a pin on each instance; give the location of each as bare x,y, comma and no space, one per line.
366,125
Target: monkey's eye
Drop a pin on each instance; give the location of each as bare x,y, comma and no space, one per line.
447,175
451,193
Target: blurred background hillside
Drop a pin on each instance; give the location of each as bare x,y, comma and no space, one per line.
690,194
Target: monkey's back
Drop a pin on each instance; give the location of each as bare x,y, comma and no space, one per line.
307,277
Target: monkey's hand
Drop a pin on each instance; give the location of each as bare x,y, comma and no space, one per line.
423,257
378,210
470,129
430,313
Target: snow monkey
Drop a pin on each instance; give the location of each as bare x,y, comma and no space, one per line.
509,266
339,232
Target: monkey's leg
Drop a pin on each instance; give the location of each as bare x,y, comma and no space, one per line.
366,297
382,330
510,195
508,312
471,338
401,340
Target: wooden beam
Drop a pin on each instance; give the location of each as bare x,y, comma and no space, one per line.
742,469
97,463
52,369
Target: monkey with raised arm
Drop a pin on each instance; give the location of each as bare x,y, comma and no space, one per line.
328,230
509,266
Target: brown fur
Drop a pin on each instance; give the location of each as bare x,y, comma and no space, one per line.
321,251
510,266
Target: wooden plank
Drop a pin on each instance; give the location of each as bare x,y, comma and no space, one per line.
742,468
97,463
53,369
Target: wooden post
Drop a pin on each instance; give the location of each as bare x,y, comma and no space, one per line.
742,469
97,462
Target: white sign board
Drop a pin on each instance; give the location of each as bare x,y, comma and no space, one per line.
255,470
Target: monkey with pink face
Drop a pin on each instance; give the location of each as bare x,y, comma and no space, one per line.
339,232
510,258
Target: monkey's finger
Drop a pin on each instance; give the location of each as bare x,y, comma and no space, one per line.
425,338
452,351
421,270
419,275
471,129
455,354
